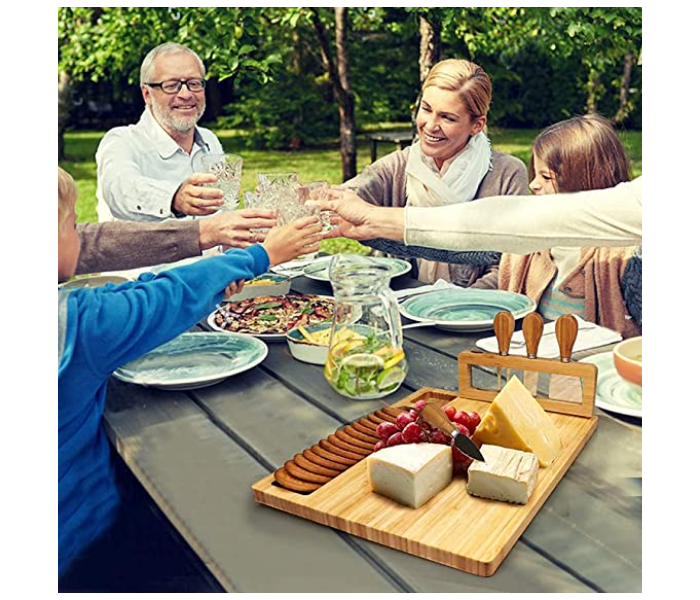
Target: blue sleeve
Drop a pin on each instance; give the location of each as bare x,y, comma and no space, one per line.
122,323
468,257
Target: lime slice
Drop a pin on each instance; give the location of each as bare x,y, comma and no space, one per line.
363,361
351,386
390,377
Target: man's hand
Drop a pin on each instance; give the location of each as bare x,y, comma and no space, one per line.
233,229
194,198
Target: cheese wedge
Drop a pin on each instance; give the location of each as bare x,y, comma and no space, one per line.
411,474
507,475
516,420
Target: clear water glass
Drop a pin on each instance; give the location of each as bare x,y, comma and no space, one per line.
227,168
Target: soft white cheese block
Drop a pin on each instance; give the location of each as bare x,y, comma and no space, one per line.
508,475
411,474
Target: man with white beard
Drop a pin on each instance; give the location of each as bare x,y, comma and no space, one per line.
150,171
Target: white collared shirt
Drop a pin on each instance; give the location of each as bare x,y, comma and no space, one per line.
140,167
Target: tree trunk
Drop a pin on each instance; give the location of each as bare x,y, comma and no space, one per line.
430,46
624,108
346,104
592,87
64,95
338,72
297,62
213,100
430,33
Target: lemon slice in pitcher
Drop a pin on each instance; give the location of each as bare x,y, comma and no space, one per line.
362,361
395,360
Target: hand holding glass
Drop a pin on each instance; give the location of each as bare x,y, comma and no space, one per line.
227,168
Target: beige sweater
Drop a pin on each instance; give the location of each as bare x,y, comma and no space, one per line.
384,183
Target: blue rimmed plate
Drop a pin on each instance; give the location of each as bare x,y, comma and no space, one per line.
613,393
318,269
194,360
464,309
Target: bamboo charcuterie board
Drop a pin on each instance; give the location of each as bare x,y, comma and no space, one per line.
453,528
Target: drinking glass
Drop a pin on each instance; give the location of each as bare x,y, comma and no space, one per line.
317,190
227,168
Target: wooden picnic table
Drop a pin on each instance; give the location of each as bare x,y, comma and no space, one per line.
401,138
198,452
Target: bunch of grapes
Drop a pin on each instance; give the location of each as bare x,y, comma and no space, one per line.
410,428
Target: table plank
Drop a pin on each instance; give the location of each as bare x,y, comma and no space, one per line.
267,417
201,480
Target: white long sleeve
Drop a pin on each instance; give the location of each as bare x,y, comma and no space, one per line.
610,217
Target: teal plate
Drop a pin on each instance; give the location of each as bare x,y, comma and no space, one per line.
465,309
613,393
194,360
318,270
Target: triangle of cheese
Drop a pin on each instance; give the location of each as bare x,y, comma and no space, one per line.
516,420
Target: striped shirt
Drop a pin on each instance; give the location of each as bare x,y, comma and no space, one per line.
554,302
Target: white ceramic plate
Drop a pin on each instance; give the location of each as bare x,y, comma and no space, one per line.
318,269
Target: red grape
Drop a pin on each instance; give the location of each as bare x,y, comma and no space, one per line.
450,412
386,430
395,439
438,437
379,445
420,405
411,433
405,418
463,459
463,429
461,417
473,420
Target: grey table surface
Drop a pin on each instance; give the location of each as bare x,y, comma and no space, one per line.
198,452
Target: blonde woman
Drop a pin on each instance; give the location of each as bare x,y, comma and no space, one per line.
579,154
452,161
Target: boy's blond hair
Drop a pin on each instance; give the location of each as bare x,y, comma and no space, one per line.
67,194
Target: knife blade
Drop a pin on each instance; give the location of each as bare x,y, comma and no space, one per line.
566,387
437,418
533,325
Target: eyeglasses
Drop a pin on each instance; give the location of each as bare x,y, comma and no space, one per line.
173,86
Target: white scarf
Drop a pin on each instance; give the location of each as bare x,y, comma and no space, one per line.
458,182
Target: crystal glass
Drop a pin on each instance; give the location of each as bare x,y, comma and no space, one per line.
276,180
227,168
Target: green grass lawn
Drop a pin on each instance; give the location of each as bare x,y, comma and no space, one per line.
310,164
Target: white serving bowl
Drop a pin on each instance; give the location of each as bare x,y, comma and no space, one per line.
304,350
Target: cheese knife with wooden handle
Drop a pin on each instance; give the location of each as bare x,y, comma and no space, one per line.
504,325
437,418
565,387
533,325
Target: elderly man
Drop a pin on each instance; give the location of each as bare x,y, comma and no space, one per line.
149,171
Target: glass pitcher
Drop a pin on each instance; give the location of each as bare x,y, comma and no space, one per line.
365,357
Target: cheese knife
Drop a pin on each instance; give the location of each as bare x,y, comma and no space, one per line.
437,418
565,387
503,325
533,325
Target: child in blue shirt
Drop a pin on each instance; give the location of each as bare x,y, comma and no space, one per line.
101,329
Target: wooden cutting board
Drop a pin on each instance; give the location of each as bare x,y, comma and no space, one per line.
453,528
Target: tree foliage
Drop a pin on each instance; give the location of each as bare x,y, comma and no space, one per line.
545,63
